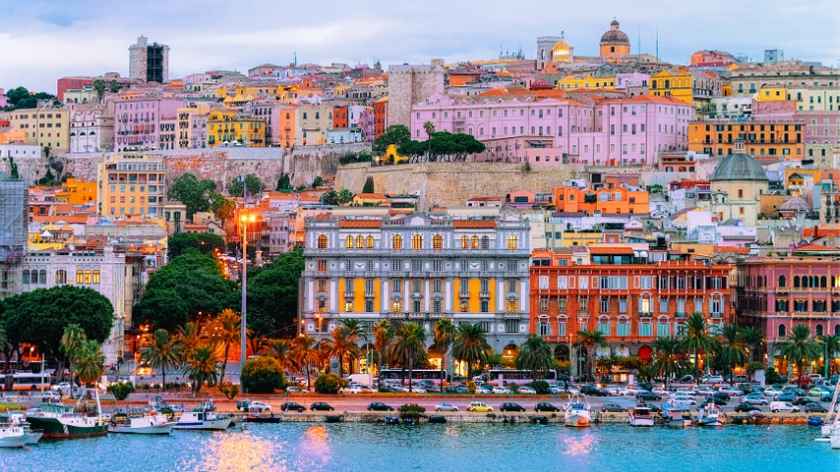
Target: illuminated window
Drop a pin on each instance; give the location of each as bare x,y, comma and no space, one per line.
475,242
437,242
512,242
396,241
370,242
512,306
360,241
60,277
322,241
348,243
348,306
417,242
396,306
463,306
465,242
322,265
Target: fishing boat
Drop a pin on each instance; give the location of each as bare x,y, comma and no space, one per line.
203,420
144,423
12,436
709,415
641,415
62,422
30,435
578,413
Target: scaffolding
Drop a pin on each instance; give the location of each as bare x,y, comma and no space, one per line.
13,220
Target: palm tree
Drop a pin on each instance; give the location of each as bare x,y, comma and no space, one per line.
752,339
831,346
383,332
470,346
732,350
409,347
225,331
89,361
444,334
202,367
303,348
281,350
535,355
344,344
591,340
163,353
189,338
799,348
323,354
71,340
667,357
697,340
356,331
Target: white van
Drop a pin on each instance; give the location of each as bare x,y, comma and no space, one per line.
785,407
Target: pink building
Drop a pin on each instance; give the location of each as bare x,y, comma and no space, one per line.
145,122
3,98
585,129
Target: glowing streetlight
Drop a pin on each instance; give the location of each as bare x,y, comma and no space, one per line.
244,220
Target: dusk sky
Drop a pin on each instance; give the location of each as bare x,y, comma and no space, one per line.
43,40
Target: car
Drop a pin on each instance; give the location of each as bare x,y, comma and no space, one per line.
704,390
785,397
592,391
501,390
546,406
525,389
648,396
815,378
631,390
293,389
511,406
746,408
712,379
741,379
484,389
814,407
731,391
356,388
379,406
458,389
292,406
802,401
685,379
756,399
479,407
613,408
321,406
568,389
717,400
819,391
787,407
445,407
772,391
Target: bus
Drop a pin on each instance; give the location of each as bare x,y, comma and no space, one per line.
400,376
518,377
27,381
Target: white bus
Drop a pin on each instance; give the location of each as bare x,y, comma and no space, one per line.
27,381
401,376
518,377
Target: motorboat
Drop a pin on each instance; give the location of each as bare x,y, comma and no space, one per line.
12,436
259,412
30,435
146,423
59,421
709,415
202,420
641,415
578,413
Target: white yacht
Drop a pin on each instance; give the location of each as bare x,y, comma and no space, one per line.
578,413
203,421
709,415
641,415
12,436
30,436
151,423
831,424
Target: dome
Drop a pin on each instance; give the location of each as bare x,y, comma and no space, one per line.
794,204
615,35
739,167
561,51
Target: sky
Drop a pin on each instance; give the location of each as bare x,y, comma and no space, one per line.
43,40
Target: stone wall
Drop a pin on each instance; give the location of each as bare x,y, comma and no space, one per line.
452,183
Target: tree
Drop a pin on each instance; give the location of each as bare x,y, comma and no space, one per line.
344,344
192,192
251,183
205,243
752,339
344,196
225,331
163,353
318,181
20,97
284,183
395,134
89,361
831,346
281,351
303,348
189,339
697,340
99,86
368,187
262,375
71,340
273,295
328,384
470,346
383,332
409,347
732,351
535,355
429,128
667,355
202,367
444,334
591,340
799,348
222,208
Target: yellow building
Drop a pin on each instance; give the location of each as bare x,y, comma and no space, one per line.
228,127
571,82
771,94
131,186
312,122
677,83
77,192
191,126
47,127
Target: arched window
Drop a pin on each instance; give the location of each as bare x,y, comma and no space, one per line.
322,241
42,276
370,242
475,242
60,277
348,243
512,242
417,242
396,241
781,281
819,329
360,241
782,331
485,242
837,330
437,242
823,282
795,281
465,242
25,277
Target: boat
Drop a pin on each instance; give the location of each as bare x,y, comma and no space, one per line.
709,415
259,412
30,435
578,413
59,421
831,423
146,423
202,420
641,415
12,436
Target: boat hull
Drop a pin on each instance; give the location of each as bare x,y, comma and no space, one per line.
577,421
157,429
835,440
13,441
262,419
209,425
32,437
54,429
641,422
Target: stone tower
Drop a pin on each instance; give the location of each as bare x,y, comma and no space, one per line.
409,84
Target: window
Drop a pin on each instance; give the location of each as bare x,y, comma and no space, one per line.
485,242
417,242
437,242
605,304
604,326
782,331
348,242
322,265
663,328
485,306
781,281
623,327
644,305
561,305
512,242
26,277
465,242
416,306
370,242
544,328
485,285
60,277
360,242
322,241
663,305
511,326
644,329
396,241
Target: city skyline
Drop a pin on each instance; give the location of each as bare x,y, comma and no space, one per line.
46,40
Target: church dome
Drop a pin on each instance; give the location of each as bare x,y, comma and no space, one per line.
561,51
739,167
615,35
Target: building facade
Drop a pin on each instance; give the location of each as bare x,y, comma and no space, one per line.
91,129
770,140
131,186
409,84
48,127
148,62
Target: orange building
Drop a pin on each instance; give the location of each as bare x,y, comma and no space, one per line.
615,45
614,201
781,140
287,126
621,292
380,116
340,117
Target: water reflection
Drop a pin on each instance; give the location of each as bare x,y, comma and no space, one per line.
243,452
578,446
314,448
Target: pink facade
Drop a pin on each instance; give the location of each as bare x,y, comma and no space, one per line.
821,127
138,122
599,131
777,294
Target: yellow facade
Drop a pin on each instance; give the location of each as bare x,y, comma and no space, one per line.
678,84
771,94
77,192
312,122
131,186
47,127
227,127
571,82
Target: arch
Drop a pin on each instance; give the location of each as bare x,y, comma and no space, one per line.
465,242
370,242
819,329
823,282
782,281
513,242
795,281
437,241
485,242
397,241
322,241
360,241
837,330
348,242
474,242
417,241
510,352
782,331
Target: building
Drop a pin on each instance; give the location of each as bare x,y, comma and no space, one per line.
418,267
737,185
615,45
191,128
131,186
625,293
145,122
48,127
604,201
226,127
712,59
148,62
545,46
312,121
380,117
13,231
410,84
91,129
764,139
773,56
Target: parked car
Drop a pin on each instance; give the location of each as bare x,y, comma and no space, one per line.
500,390
479,407
511,406
785,397
802,401
731,391
814,407
787,407
648,396
484,389
379,406
613,408
592,391
292,406
445,407
356,388
686,379
458,389
546,406
525,389
321,406
712,379
704,390
772,391
756,399
746,408
631,390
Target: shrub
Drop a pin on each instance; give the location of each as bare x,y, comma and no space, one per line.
262,375
229,390
328,383
773,377
121,390
471,386
411,410
541,387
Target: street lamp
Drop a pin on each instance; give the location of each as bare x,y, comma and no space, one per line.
244,219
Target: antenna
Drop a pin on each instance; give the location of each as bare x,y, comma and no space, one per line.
657,45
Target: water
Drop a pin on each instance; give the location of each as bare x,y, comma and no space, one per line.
439,448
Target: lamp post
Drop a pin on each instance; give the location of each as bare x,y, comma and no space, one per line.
244,219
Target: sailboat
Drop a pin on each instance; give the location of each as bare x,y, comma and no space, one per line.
578,412
831,424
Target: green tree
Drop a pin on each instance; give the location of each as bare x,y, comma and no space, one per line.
535,355
262,375
732,351
383,332
345,345
202,367
71,340
303,351
204,243
395,134
318,181
429,128
831,347
408,347
251,183
225,331
222,208
192,192
753,340
368,187
470,346
328,384
20,97
444,334
164,352
281,351
273,296
697,340
99,86
591,340
284,183
89,361
344,196
667,357
799,348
